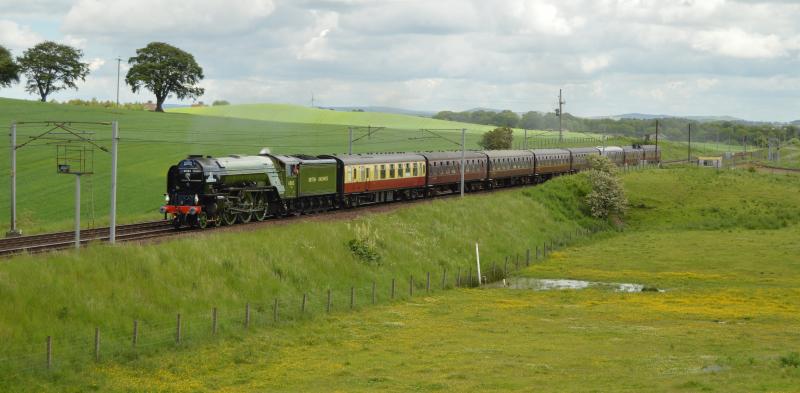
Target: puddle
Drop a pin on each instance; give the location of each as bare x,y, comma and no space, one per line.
540,284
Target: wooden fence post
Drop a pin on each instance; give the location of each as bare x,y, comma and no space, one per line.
275,310
178,329
246,315
516,260
328,304
214,321
374,300
528,257
352,297
49,352
537,253
505,270
393,289
411,285
303,305
135,332
458,278
96,344
444,278
428,283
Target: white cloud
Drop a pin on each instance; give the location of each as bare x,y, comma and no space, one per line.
148,17
96,63
596,63
17,37
735,42
534,16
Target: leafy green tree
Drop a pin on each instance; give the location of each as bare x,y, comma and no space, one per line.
164,70
9,70
497,139
220,103
50,67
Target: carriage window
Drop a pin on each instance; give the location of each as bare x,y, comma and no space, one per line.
363,177
414,169
399,170
354,174
391,171
408,169
383,171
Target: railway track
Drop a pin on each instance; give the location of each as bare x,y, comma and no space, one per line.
64,240
34,244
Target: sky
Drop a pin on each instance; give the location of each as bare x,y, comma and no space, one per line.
680,57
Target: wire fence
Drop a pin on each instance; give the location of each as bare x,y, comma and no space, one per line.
78,350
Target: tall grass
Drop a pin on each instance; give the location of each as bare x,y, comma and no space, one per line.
67,294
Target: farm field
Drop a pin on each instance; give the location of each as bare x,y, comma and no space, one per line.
722,325
726,260
151,142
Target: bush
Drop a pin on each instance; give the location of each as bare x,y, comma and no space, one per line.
362,250
602,164
794,141
497,139
607,196
220,103
791,360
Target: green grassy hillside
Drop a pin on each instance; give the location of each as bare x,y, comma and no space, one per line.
300,114
716,241
151,142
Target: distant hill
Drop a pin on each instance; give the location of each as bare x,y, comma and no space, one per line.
645,116
796,122
382,109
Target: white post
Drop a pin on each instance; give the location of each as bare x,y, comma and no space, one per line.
463,154
13,231
112,216
478,258
77,211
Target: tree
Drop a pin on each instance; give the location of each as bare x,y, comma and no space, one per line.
497,139
9,70
220,103
50,67
164,70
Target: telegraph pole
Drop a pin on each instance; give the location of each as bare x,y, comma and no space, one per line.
77,211
463,154
525,145
560,114
657,156
112,224
119,61
350,145
689,157
14,231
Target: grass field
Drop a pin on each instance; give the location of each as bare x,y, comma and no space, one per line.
717,242
151,142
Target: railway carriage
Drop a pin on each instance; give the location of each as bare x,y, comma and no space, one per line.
444,170
614,153
580,157
651,153
633,155
508,167
373,178
551,162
